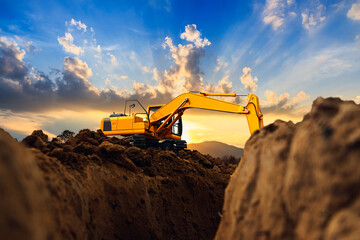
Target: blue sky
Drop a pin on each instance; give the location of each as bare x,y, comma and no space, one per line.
88,56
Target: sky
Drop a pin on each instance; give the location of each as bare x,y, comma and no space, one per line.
67,64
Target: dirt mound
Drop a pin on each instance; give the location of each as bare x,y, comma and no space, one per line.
24,215
96,187
299,181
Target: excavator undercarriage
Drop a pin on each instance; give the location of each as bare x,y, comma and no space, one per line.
172,144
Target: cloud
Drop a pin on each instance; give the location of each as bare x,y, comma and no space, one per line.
301,96
312,19
68,44
185,74
357,99
12,66
274,13
23,88
146,69
191,34
112,59
79,25
27,44
248,81
224,86
354,11
221,64
283,103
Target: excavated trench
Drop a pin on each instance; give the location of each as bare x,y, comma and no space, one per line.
295,181
96,187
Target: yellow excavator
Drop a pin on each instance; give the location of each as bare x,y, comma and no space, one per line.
162,126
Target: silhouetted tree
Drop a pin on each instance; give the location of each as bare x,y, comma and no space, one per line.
66,134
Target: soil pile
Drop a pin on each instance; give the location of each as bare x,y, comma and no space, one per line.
299,181
96,187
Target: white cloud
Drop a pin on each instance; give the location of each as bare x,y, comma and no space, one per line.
274,20
312,18
283,103
186,72
112,59
18,53
274,13
27,44
68,44
247,80
301,96
221,64
77,67
354,12
79,25
98,49
224,86
357,99
145,69
357,37
191,34
272,99
292,14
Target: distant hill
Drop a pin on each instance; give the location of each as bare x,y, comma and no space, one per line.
216,149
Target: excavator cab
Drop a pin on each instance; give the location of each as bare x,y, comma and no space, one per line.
131,122
126,124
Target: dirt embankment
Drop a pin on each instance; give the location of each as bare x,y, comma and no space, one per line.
299,181
95,187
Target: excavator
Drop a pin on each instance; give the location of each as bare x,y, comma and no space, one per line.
161,125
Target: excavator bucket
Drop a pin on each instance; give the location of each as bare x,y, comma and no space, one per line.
254,116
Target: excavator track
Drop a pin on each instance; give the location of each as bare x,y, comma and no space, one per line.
172,144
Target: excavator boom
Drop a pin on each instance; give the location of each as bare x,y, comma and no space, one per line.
201,101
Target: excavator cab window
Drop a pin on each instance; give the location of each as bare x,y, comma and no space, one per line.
176,128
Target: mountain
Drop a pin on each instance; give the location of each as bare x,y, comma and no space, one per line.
216,149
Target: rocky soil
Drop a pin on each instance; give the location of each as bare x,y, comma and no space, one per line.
96,187
299,181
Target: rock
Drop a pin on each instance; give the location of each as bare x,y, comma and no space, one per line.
41,135
298,181
36,140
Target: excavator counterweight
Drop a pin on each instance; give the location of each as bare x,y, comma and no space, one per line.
163,124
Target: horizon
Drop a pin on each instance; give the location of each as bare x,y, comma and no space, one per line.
65,65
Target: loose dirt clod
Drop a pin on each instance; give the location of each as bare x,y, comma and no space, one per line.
96,187
299,181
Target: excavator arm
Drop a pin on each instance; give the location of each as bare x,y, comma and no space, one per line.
201,101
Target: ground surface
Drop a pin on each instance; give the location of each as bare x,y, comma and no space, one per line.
95,187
